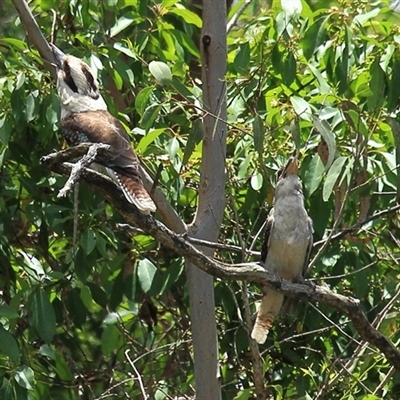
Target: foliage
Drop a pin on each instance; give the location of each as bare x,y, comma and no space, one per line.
92,318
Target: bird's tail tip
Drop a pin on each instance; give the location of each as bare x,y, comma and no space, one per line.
135,193
261,329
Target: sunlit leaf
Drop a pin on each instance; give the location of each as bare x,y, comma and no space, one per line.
314,174
161,72
332,177
326,133
256,181
146,272
302,108
188,16
25,377
121,25
195,136
258,132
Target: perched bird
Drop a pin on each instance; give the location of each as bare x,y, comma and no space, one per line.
84,118
287,244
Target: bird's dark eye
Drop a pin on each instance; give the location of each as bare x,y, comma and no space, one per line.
68,78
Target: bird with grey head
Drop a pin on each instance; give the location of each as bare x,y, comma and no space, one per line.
287,244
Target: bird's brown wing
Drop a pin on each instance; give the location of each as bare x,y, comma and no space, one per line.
101,127
309,248
122,162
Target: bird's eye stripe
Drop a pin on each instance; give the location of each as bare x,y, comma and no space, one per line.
91,81
68,78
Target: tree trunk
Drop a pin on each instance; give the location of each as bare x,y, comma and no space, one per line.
207,222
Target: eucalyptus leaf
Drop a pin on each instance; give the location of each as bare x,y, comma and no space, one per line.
161,72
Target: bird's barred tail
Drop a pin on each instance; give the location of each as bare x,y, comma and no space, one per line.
270,306
135,193
261,328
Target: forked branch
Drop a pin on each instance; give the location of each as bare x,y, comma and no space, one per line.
252,272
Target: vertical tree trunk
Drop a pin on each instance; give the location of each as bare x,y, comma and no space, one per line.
207,222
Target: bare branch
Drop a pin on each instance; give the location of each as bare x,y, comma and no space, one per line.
84,162
360,224
252,272
34,33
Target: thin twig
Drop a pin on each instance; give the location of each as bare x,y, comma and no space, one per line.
76,215
251,272
232,22
358,225
139,378
78,168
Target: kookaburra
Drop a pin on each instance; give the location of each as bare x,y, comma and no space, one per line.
287,244
84,118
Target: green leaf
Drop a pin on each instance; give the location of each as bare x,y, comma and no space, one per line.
146,272
150,116
86,297
5,131
377,86
8,345
302,108
314,174
148,139
111,339
6,390
47,351
120,25
258,132
24,376
161,72
34,267
188,16
292,7
20,80
289,69
314,36
332,177
196,135
125,50
142,99
256,181
88,241
243,394
76,308
62,368
42,316
323,128
99,295
8,312
30,107
242,58
393,88
342,64
395,126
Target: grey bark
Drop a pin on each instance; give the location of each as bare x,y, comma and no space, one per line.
207,222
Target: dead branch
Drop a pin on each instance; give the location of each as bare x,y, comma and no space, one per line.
252,272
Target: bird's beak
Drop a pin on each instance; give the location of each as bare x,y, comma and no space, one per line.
292,167
58,55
